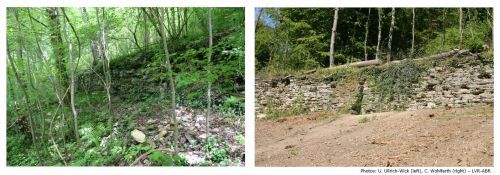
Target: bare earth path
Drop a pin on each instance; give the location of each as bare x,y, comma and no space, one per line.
432,137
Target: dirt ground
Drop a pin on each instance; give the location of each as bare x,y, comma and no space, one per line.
431,137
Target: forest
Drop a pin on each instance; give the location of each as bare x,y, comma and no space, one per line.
291,40
374,87
125,87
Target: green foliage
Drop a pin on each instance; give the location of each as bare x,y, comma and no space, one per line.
240,139
475,35
218,149
139,83
298,105
393,82
233,106
134,151
272,112
289,40
160,159
363,120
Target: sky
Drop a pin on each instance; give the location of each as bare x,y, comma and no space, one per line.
265,17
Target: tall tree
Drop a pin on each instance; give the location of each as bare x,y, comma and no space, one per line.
72,73
170,76
367,26
443,38
58,50
412,53
26,96
105,53
94,46
460,27
146,36
209,89
377,55
332,40
391,28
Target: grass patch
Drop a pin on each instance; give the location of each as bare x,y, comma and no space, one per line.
364,120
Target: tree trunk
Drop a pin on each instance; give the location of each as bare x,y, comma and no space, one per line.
377,55
258,18
58,50
209,100
332,40
366,32
391,28
443,42
105,65
93,44
170,76
72,80
146,31
413,34
460,27
26,96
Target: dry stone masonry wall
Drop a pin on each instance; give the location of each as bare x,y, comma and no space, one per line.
469,85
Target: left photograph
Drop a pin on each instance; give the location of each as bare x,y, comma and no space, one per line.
125,86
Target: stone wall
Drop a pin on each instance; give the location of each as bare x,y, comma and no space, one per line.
439,86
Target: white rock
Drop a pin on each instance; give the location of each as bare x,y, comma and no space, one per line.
431,105
138,136
194,157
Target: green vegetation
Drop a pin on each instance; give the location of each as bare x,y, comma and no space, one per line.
297,109
291,41
363,120
80,80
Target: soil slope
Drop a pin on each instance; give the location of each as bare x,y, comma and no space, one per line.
431,137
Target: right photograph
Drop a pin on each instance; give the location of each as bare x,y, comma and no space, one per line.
374,87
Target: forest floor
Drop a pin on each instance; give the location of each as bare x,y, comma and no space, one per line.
430,137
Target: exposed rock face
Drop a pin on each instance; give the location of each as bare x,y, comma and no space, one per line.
467,85
138,136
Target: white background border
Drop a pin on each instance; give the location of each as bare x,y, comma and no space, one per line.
249,77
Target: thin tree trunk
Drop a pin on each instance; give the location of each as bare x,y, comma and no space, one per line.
332,40
146,31
72,79
106,68
170,76
443,42
366,32
391,28
460,27
93,44
258,18
209,100
377,55
413,34
26,96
